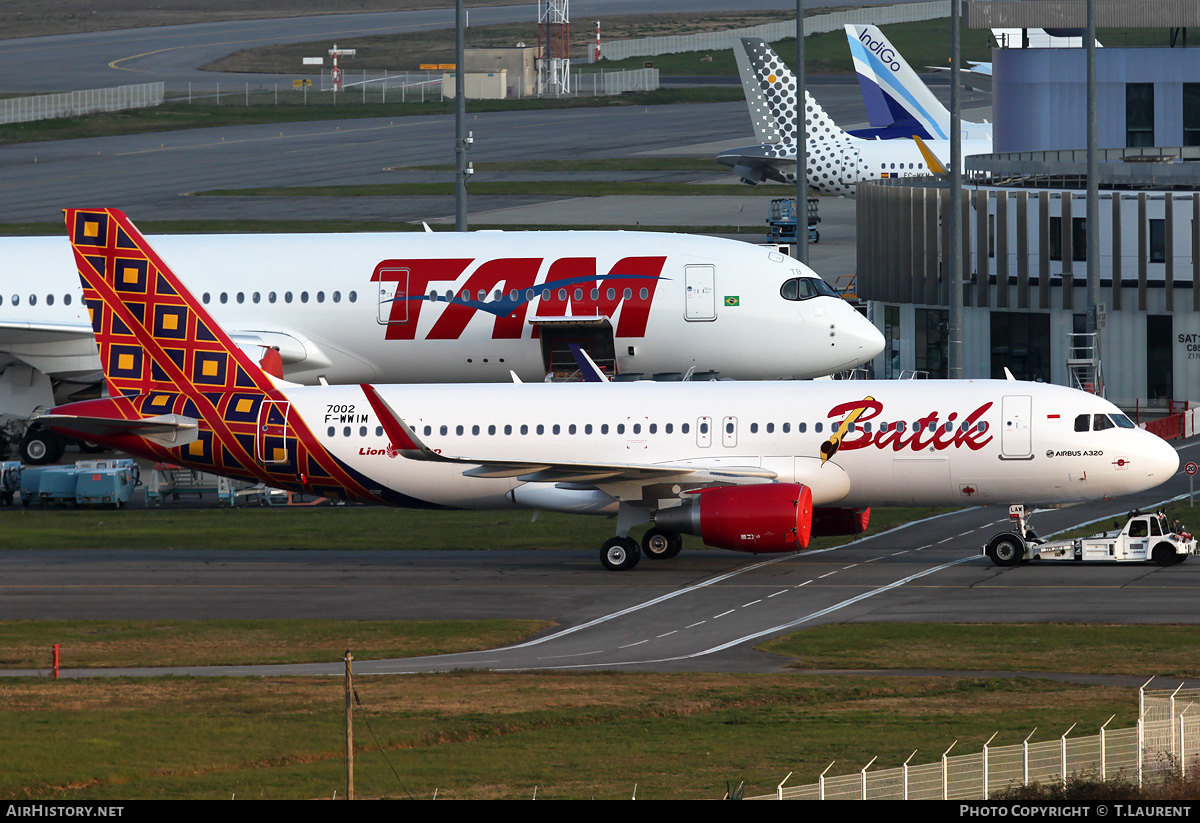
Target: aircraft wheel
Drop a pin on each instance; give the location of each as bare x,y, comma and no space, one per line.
40,446
620,553
1163,554
1006,549
660,544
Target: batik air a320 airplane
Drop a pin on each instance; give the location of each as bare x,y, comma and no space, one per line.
448,307
836,160
748,466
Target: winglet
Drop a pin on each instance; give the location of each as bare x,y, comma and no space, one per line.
935,165
403,439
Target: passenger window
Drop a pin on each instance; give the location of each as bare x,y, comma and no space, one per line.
555,429
685,427
620,428
1083,423
541,429
754,428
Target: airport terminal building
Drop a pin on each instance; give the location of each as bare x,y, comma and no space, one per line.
1025,272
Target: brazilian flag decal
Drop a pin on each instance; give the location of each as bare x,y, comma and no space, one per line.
733,300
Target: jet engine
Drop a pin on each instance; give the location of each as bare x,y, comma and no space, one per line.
770,517
835,522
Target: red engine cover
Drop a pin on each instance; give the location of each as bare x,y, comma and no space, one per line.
829,522
772,517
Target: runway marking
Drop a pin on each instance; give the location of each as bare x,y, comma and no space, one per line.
781,591
902,551
694,625
805,583
947,540
822,577
927,546
873,559
631,645
851,566
968,531
751,603
576,654
722,614
668,634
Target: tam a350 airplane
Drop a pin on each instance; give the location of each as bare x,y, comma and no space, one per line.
837,160
748,466
444,307
899,104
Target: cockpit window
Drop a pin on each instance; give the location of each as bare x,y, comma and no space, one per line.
1123,422
1100,422
1083,423
802,288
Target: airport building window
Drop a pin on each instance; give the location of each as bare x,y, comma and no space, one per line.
1191,114
1078,238
1139,114
1020,341
1158,241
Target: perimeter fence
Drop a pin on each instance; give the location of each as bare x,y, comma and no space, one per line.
771,32
73,103
1165,742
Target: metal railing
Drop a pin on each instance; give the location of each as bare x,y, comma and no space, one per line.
74,103
1165,741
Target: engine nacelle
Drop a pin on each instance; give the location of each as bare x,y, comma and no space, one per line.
770,517
831,522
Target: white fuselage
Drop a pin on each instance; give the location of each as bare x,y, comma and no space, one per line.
443,307
1007,441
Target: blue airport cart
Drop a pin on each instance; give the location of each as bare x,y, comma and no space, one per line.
10,481
104,486
57,485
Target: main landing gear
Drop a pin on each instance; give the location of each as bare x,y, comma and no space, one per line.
621,553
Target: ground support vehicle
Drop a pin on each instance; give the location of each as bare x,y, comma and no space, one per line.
1145,537
781,220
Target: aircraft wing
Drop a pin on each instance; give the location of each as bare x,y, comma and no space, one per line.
757,163
12,331
405,441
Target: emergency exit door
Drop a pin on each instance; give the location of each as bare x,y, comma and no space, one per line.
700,300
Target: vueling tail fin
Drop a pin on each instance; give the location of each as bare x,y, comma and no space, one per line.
770,89
150,330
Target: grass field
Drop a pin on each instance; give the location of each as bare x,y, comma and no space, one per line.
500,735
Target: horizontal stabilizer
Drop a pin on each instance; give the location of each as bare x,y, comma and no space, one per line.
169,430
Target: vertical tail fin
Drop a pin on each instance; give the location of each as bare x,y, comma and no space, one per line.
887,79
150,330
770,90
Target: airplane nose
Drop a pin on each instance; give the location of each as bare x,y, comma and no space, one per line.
1162,458
856,339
